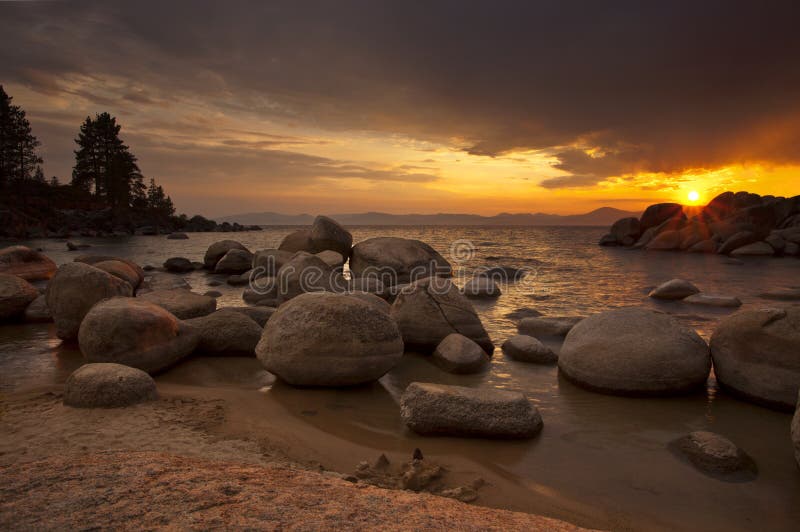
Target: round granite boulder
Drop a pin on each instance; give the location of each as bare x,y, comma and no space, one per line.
26,263
106,385
524,348
458,354
135,333
397,260
634,351
75,288
757,355
178,265
121,270
234,261
15,295
226,333
217,250
674,289
327,234
326,339
481,288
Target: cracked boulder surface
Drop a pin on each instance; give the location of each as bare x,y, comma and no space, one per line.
430,309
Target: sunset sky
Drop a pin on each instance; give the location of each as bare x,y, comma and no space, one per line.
425,107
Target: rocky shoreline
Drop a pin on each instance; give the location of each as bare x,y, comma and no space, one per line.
736,224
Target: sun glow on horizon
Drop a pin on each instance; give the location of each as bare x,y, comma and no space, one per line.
694,196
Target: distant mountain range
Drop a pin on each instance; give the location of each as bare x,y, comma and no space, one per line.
603,216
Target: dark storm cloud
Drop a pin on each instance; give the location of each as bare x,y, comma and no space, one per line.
653,86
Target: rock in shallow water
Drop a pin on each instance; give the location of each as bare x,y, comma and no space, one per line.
481,287
26,263
135,333
437,409
397,260
183,304
713,301
226,333
757,355
548,326
15,295
713,454
326,339
234,261
633,351
674,289
107,386
526,348
217,250
458,354
178,265
37,311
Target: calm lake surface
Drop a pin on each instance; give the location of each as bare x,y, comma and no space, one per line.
601,457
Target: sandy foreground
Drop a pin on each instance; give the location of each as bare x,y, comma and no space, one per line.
159,465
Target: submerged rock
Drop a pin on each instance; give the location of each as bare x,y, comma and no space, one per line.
674,289
106,385
429,310
183,304
524,312
633,351
713,301
458,354
430,409
526,348
226,333
178,265
481,287
15,295
26,263
548,325
135,333
177,236
74,290
713,453
757,355
326,339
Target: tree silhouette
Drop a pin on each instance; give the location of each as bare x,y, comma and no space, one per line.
18,157
105,166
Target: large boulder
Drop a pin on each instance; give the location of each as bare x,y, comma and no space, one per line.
524,348
235,261
135,333
15,295
674,289
757,355
756,249
107,385
397,260
226,333
659,213
626,231
666,241
306,273
433,409
260,315
326,339
217,250
547,325
121,270
183,304
737,240
299,240
334,259
93,260
26,263
74,289
458,354
327,234
796,433
430,309
704,246
633,351
269,261
38,312
481,288
178,265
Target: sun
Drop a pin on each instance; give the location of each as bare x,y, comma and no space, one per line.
694,196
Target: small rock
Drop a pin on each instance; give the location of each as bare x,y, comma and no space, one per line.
547,326
674,289
106,385
481,287
177,236
526,348
178,265
712,453
458,354
713,301
461,493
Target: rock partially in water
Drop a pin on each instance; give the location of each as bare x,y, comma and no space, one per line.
634,351
107,385
523,312
15,295
75,246
74,290
756,249
757,355
674,289
709,300
737,240
429,310
26,263
397,260
438,409
482,288
163,281
260,315
458,354
217,250
183,304
666,241
659,213
178,265
548,325
789,294
704,246
226,333
38,312
526,348
715,455
234,261
328,234
135,333
177,236
326,339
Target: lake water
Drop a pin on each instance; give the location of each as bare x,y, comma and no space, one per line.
600,460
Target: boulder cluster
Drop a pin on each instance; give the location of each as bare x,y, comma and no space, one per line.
738,224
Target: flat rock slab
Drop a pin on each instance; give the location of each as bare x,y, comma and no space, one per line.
709,300
438,409
716,456
548,326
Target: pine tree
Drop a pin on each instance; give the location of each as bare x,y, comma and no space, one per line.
104,164
18,156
